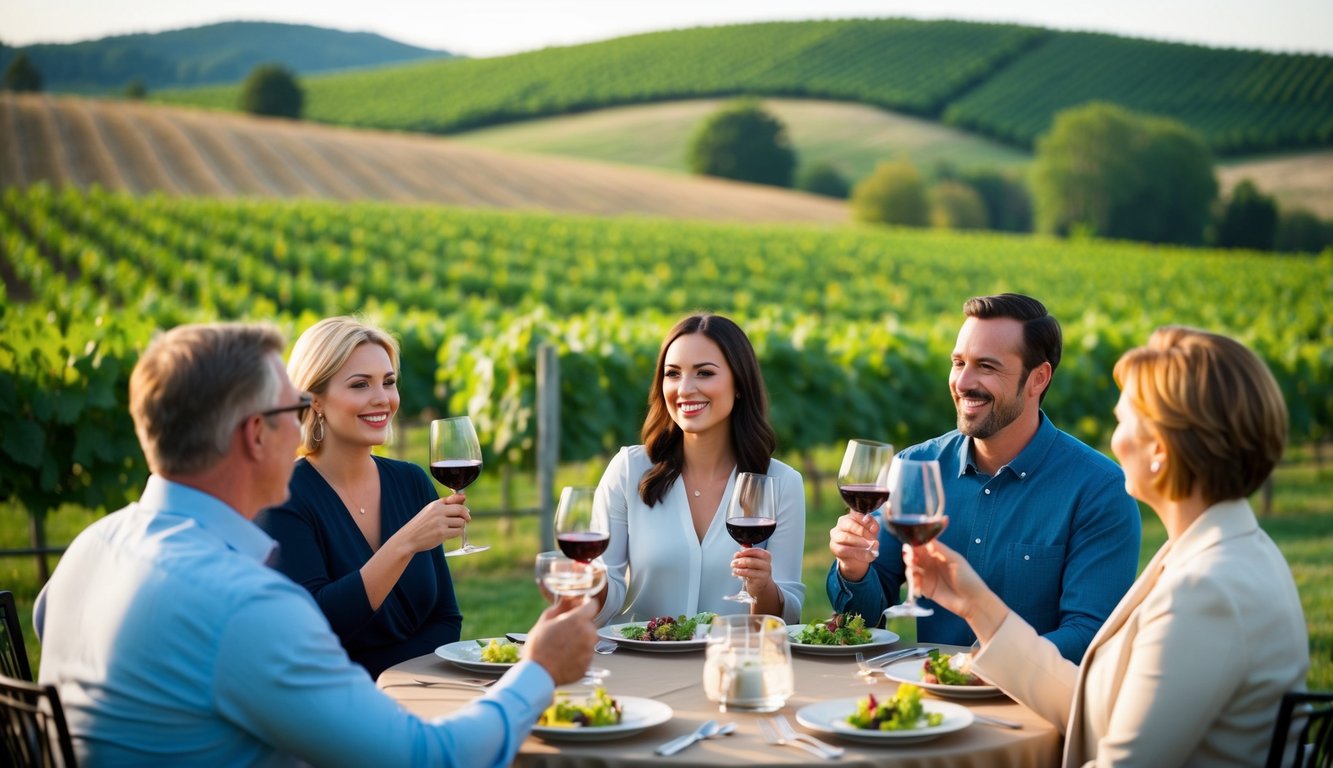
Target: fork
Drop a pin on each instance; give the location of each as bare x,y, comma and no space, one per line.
773,735
770,734
788,732
462,682
865,669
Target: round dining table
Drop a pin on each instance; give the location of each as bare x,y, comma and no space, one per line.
676,679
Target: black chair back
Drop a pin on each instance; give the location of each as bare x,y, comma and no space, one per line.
13,656
1309,715
33,731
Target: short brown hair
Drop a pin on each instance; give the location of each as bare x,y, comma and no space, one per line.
320,352
1042,339
194,385
1215,407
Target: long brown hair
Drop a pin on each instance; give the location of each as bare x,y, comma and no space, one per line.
752,437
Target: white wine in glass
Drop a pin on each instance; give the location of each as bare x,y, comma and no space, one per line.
455,461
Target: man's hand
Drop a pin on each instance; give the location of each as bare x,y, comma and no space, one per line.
852,542
563,638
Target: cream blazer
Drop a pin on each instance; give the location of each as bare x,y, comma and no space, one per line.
657,566
1190,666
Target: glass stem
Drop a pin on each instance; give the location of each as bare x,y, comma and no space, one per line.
911,582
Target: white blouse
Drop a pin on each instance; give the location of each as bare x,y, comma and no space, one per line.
656,565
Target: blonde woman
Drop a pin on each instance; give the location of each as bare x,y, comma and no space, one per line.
361,532
1190,666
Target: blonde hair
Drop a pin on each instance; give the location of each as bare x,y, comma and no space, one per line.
194,384
1215,407
320,352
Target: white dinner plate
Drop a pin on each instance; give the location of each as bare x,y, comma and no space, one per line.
636,715
657,646
909,671
879,638
831,717
467,654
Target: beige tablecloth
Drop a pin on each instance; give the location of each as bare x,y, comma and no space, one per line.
676,679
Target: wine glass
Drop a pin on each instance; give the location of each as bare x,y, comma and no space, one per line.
573,525
751,519
455,461
916,515
863,480
558,577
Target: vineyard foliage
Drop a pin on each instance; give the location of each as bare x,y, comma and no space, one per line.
853,326
1005,81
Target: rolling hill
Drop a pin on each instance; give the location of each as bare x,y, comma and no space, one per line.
147,149
216,53
1002,80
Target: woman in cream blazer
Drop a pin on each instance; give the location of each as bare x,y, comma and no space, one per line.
664,503
1190,666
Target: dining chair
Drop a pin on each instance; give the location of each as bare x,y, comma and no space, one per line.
33,730
1314,743
13,656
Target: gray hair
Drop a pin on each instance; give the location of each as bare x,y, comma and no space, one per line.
194,385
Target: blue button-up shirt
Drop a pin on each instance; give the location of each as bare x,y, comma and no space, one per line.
171,643
1053,533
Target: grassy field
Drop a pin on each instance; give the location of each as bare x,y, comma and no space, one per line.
853,137
497,593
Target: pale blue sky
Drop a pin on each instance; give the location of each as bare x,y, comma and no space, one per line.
493,27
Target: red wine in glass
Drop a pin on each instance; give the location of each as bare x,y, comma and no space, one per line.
583,546
456,474
915,530
864,498
455,460
749,531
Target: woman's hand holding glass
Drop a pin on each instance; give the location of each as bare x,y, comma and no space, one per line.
751,520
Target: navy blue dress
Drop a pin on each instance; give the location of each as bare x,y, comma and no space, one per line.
320,548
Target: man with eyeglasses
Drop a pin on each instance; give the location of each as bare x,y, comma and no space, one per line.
171,642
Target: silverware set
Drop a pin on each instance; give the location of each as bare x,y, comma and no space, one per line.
868,667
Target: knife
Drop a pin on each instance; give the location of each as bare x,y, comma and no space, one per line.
517,637
676,745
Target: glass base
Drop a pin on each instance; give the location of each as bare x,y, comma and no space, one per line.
773,705
908,609
741,597
470,549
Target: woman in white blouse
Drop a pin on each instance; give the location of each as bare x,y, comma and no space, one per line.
665,502
1191,665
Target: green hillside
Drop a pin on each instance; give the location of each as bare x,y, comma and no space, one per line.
1241,101
1005,81
909,66
216,53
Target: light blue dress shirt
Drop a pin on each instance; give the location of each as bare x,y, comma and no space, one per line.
171,643
1053,533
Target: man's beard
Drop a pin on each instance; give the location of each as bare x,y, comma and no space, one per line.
1001,414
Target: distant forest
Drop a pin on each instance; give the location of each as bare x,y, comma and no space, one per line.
217,53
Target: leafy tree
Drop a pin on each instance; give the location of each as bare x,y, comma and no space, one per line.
956,205
21,75
823,178
1115,173
1248,220
744,142
1299,230
272,90
136,89
1008,204
893,194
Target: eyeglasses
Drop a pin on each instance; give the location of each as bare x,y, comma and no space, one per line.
299,407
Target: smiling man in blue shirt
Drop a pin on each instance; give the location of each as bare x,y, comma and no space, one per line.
1042,517
170,641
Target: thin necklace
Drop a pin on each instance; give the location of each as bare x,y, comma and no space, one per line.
711,483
